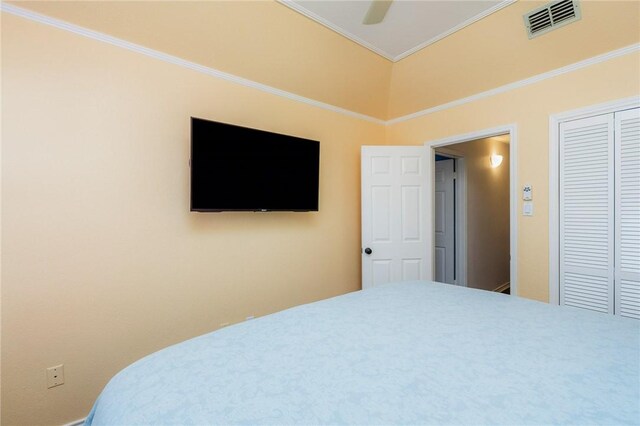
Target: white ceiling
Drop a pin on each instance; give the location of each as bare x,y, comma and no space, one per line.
408,26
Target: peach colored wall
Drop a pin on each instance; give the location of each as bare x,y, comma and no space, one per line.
1,120
487,212
529,108
499,52
290,52
286,50
102,261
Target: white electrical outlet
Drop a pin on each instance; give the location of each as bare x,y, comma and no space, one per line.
55,376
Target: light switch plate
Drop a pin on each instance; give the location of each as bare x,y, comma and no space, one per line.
527,193
527,208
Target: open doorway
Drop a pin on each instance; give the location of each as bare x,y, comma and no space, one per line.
472,213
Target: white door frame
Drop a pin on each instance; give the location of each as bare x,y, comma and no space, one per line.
461,215
554,180
512,130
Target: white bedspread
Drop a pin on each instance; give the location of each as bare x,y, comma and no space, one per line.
406,353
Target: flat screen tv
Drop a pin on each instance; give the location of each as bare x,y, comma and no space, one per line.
235,168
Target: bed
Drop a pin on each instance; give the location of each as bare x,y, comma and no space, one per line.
404,353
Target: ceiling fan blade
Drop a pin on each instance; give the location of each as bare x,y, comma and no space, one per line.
377,11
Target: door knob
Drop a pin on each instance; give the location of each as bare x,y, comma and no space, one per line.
368,250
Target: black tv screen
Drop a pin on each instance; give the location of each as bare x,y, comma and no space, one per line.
235,168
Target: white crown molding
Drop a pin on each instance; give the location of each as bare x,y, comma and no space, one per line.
457,28
309,14
95,35
14,10
521,83
319,19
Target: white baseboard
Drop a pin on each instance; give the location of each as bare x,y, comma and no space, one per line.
502,287
78,422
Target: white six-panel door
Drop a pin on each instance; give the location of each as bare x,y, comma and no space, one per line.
394,215
444,226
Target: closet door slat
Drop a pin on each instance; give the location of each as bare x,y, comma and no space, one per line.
627,212
587,213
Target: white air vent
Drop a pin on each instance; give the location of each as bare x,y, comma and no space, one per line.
551,16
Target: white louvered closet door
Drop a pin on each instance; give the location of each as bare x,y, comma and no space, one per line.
627,211
587,213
